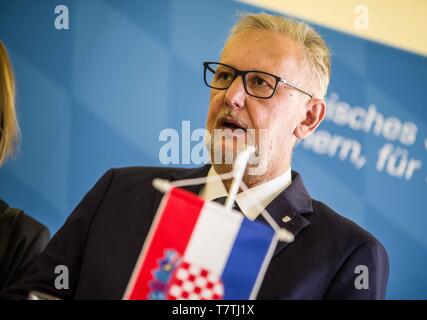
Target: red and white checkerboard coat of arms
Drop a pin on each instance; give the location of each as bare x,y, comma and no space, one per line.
191,282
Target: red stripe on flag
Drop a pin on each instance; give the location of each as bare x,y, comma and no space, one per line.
172,229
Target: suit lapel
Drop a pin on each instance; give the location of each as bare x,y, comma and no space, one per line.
288,209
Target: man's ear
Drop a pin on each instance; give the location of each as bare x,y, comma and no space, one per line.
314,115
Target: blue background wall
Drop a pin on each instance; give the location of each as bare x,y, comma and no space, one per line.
97,96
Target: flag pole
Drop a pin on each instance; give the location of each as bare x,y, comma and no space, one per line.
162,185
239,168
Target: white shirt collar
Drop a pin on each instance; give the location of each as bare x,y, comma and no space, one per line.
263,193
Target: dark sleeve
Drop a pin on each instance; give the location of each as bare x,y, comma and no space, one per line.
27,239
363,275
66,248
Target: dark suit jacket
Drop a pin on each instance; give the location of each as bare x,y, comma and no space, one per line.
101,240
21,240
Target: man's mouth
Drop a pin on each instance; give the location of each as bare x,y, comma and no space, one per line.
227,123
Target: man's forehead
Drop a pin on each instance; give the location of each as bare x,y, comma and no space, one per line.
261,50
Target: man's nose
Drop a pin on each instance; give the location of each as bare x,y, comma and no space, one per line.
235,94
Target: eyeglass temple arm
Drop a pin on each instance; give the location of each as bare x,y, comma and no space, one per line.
296,87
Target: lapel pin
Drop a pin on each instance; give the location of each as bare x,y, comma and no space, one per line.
286,219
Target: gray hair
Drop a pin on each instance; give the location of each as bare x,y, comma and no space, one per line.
316,52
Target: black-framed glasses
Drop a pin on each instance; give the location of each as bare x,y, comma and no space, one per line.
257,84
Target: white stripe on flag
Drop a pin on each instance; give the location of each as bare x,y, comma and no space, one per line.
213,238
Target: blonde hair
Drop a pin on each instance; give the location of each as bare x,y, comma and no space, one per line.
9,130
316,52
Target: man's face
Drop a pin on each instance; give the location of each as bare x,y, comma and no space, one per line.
278,116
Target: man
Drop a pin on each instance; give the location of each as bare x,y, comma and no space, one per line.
272,77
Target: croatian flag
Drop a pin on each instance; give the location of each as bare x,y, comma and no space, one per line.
199,250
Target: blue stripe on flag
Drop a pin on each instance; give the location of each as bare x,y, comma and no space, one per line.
246,258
